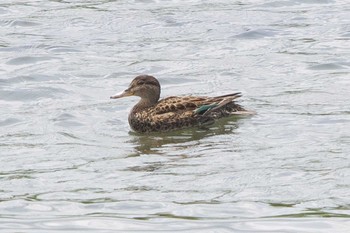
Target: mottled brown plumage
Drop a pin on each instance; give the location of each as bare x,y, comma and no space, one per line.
174,112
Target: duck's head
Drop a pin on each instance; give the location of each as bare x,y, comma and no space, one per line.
145,86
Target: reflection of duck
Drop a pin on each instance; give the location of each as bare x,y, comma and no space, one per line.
180,142
174,112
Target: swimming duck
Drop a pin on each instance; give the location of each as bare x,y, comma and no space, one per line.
175,112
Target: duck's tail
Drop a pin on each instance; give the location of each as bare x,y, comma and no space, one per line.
225,103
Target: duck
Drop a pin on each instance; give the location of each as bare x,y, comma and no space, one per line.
151,114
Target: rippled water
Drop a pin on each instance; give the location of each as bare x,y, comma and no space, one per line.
68,161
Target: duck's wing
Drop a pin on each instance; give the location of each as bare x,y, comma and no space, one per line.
176,104
195,104
179,112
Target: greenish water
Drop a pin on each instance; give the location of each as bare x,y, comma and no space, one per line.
69,163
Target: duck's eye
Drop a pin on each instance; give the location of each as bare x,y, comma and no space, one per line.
141,83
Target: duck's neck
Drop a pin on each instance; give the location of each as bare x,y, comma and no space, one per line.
143,104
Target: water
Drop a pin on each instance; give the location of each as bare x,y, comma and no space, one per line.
69,163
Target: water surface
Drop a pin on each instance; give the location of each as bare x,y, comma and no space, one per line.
69,163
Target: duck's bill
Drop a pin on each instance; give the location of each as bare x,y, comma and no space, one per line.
121,94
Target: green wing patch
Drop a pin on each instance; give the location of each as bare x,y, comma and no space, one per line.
202,109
